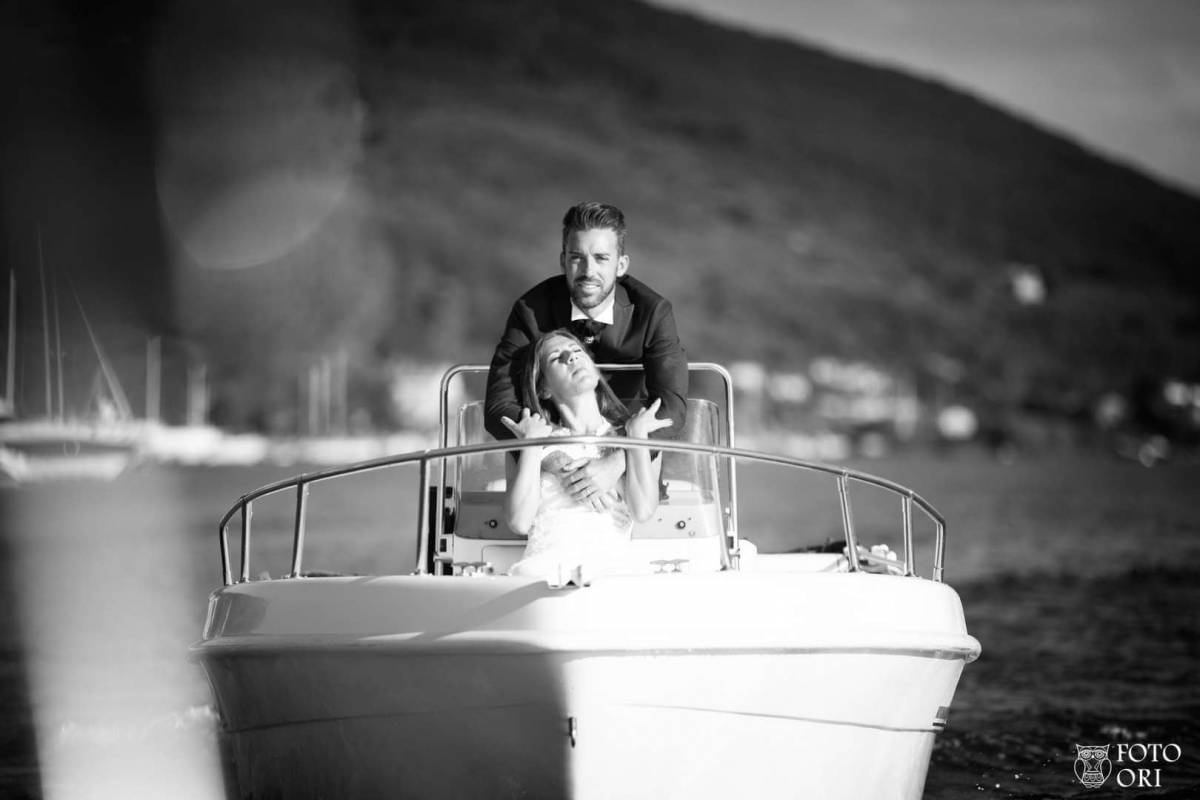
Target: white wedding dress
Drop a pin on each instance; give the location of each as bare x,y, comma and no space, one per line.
567,536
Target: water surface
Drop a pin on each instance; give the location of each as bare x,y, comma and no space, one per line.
1076,574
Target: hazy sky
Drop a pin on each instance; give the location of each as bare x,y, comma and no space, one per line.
1122,76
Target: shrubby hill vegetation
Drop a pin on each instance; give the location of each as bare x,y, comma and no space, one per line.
791,203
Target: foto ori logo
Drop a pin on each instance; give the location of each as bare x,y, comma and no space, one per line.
1092,766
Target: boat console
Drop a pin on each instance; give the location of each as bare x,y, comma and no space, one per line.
685,534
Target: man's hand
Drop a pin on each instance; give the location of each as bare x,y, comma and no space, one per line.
593,481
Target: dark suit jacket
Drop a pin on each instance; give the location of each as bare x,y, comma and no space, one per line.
643,331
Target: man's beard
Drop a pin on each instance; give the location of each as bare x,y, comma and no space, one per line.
584,302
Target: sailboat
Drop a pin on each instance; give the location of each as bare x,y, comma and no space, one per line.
56,446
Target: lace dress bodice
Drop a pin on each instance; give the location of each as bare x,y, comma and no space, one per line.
566,534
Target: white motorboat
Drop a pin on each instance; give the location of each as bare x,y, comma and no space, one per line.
710,670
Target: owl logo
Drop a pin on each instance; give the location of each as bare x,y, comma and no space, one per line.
1092,766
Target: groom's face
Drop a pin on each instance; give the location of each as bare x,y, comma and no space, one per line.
592,262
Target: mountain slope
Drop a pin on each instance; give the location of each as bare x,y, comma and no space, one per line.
790,202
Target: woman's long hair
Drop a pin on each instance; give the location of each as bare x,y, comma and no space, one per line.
532,384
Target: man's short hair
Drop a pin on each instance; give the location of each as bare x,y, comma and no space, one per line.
592,215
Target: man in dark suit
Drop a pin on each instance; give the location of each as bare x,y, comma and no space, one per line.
619,318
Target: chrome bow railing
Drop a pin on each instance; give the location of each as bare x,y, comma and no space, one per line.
301,484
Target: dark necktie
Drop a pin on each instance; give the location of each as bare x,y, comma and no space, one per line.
588,330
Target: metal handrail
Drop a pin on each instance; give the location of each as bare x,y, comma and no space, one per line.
694,366
300,483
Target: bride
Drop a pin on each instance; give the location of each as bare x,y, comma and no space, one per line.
564,395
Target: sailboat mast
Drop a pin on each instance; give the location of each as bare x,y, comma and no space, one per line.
45,329
10,386
110,375
197,394
58,352
153,377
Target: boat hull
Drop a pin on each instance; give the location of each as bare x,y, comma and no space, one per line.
685,686
54,450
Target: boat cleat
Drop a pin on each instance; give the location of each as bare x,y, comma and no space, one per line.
879,558
472,569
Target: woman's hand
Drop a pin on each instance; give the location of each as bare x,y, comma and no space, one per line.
530,426
644,423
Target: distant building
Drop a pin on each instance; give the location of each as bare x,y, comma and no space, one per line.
1027,283
832,397
415,394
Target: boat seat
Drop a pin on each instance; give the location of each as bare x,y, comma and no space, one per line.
686,527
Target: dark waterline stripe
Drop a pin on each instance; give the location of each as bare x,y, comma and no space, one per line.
726,712
424,648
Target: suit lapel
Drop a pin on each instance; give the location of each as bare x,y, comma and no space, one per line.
622,318
561,307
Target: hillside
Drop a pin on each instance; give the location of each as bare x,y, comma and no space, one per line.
791,203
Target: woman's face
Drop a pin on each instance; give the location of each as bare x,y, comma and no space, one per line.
567,369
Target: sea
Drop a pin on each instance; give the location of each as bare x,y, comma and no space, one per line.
1077,573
